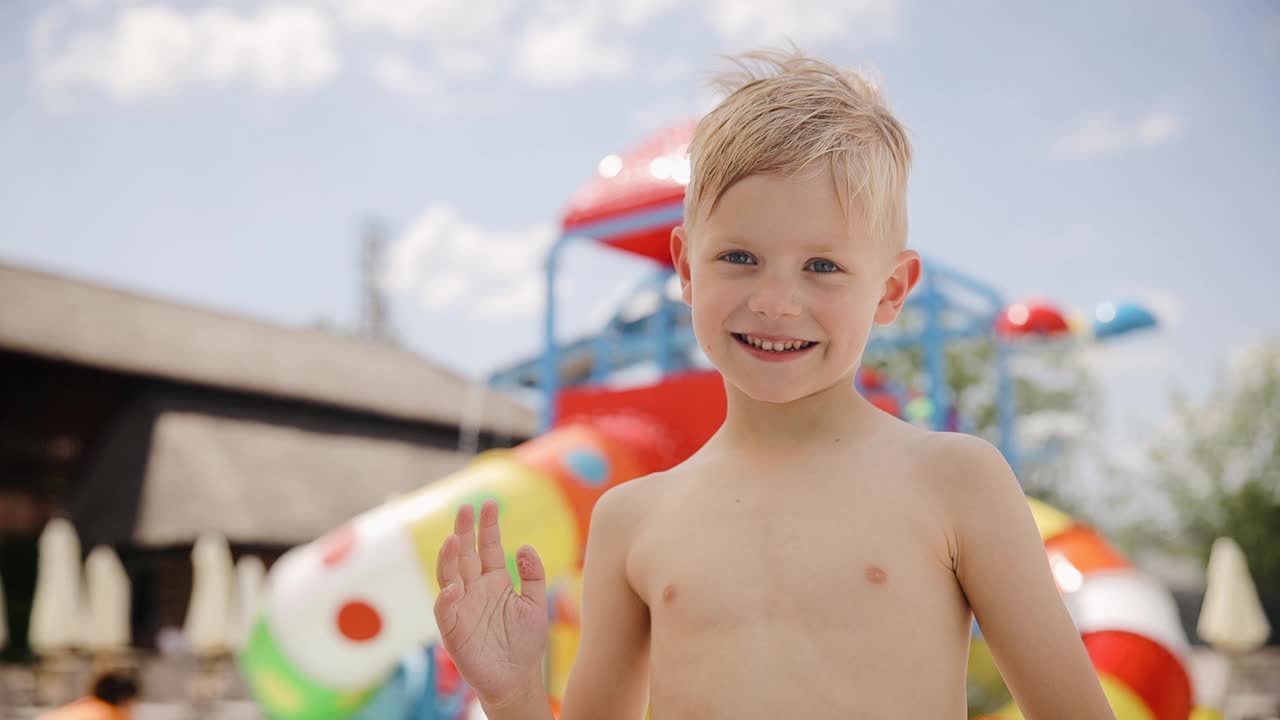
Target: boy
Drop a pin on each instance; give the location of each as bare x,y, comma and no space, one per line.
817,557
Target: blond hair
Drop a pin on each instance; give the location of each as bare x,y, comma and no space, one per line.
795,114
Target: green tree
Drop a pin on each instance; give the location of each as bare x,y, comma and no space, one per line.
1218,467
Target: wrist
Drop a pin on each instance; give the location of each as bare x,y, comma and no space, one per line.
530,695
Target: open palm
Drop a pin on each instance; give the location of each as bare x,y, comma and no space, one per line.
495,636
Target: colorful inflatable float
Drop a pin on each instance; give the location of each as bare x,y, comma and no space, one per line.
341,612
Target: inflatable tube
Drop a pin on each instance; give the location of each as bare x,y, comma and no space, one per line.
340,613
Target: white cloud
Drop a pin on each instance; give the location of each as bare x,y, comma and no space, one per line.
807,22
444,289
145,49
633,13
562,43
521,298
464,36
466,60
1101,133
452,265
153,50
440,19
397,75
568,51
1157,128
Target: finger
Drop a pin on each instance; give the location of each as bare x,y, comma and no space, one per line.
491,555
465,528
447,563
446,608
533,577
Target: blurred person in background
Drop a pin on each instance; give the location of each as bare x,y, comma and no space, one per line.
111,698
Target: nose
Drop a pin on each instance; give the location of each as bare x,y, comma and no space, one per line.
774,298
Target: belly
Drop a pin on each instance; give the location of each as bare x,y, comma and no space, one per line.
833,647
798,669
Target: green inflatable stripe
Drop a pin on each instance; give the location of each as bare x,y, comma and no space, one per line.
282,692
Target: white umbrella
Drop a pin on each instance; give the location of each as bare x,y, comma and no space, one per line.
55,610
1231,617
209,612
249,575
108,593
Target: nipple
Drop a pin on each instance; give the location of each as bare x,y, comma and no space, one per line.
669,594
876,575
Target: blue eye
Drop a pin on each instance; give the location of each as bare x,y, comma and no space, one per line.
737,257
823,266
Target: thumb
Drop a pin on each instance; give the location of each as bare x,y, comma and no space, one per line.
446,608
533,577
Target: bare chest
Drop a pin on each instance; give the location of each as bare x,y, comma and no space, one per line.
716,563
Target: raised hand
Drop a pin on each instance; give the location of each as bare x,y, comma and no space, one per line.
495,636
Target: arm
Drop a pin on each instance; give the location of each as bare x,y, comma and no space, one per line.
1004,572
609,678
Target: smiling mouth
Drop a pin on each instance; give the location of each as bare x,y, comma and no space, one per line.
776,346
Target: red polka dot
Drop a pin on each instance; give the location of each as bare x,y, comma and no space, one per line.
338,545
358,621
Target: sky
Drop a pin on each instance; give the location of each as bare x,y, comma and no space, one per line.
228,155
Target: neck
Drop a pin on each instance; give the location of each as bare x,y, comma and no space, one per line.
823,417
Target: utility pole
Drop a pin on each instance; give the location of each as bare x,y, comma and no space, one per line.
374,319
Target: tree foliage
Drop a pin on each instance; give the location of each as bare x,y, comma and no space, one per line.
1218,465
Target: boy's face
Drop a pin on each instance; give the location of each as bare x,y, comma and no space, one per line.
776,261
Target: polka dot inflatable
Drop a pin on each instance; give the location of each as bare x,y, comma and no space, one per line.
358,621
584,461
588,466
340,613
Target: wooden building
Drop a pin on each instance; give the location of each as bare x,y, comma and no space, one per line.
148,422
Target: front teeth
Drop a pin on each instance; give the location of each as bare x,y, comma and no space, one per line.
775,346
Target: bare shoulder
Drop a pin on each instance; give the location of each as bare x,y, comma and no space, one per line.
624,507
960,453
941,457
964,468
970,478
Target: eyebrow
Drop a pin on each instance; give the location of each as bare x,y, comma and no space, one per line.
821,247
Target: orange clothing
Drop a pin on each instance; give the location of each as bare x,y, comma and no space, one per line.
89,708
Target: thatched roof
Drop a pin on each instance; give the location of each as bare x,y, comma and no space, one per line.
308,483
175,464
91,324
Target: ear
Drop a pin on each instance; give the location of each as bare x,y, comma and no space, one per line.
680,259
905,275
